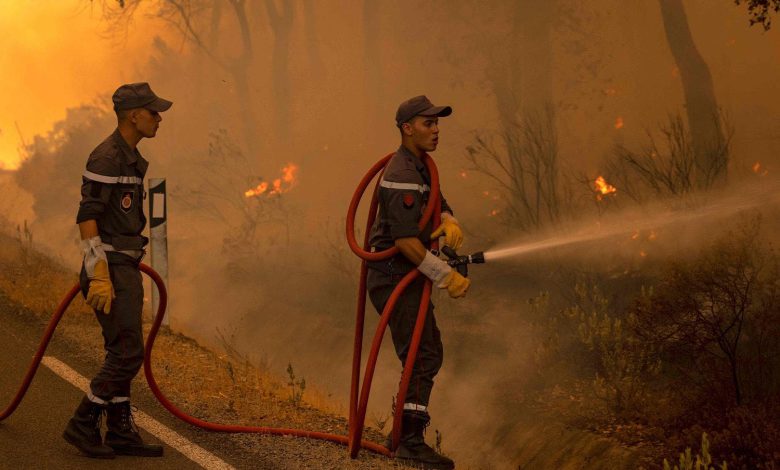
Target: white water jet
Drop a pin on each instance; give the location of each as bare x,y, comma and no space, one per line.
755,196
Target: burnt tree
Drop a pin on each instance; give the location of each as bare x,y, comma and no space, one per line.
700,103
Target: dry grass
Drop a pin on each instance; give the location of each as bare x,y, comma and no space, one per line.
224,388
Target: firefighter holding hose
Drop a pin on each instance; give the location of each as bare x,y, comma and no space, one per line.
111,220
404,191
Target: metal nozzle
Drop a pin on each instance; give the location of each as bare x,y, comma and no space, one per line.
461,262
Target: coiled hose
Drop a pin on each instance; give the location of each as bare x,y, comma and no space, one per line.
358,402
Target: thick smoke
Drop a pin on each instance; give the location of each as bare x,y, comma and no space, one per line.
271,275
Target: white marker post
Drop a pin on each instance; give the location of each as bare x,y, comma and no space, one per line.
158,227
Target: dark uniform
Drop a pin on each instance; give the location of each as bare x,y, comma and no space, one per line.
403,195
112,194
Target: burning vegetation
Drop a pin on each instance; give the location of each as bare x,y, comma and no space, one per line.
278,186
649,346
602,188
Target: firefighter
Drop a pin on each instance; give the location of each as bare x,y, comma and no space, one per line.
404,191
111,221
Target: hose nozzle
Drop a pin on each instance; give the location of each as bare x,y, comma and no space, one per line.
477,258
461,262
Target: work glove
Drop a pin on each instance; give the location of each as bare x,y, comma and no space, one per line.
455,283
442,274
100,292
453,235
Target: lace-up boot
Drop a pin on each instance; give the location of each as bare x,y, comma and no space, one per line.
413,450
123,435
83,430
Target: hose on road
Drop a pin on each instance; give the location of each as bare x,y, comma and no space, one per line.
358,402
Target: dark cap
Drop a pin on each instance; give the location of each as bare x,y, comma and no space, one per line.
419,106
138,95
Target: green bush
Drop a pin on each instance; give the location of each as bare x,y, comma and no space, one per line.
703,460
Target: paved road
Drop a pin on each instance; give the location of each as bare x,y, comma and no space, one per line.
31,437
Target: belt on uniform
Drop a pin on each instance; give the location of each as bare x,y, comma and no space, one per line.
395,265
137,254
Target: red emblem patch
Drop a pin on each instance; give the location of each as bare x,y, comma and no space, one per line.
408,200
127,201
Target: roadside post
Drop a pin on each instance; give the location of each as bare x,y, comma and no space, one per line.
158,227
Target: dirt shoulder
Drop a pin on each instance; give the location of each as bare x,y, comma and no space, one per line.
221,388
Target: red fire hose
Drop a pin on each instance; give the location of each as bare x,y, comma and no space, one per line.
357,408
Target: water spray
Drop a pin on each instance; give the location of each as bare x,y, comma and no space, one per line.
721,208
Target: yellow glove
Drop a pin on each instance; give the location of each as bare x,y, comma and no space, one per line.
453,236
456,284
100,290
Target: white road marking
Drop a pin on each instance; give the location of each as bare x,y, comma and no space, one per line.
193,452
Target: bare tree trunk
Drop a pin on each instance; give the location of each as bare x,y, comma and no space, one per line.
310,19
533,22
239,70
522,78
700,103
281,25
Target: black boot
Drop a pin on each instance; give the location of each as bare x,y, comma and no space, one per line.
413,449
123,436
83,430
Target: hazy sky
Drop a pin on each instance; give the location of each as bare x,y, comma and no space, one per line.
53,56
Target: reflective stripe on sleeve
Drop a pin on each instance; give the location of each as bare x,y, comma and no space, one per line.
407,186
112,179
415,407
100,178
130,180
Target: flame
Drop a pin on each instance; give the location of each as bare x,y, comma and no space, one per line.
619,122
610,92
486,193
603,188
278,185
635,235
642,254
289,172
759,170
260,189
494,212
10,163
652,235
463,174
31,104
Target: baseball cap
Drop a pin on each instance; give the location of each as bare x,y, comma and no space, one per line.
419,106
138,95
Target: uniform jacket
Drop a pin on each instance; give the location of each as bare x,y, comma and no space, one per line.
403,195
112,193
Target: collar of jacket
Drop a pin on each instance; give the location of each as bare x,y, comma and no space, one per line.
417,160
131,156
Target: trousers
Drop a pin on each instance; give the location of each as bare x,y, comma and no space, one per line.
430,354
122,333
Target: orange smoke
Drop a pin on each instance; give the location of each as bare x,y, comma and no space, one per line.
279,185
39,85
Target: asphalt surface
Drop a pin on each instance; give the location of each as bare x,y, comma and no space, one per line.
32,436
